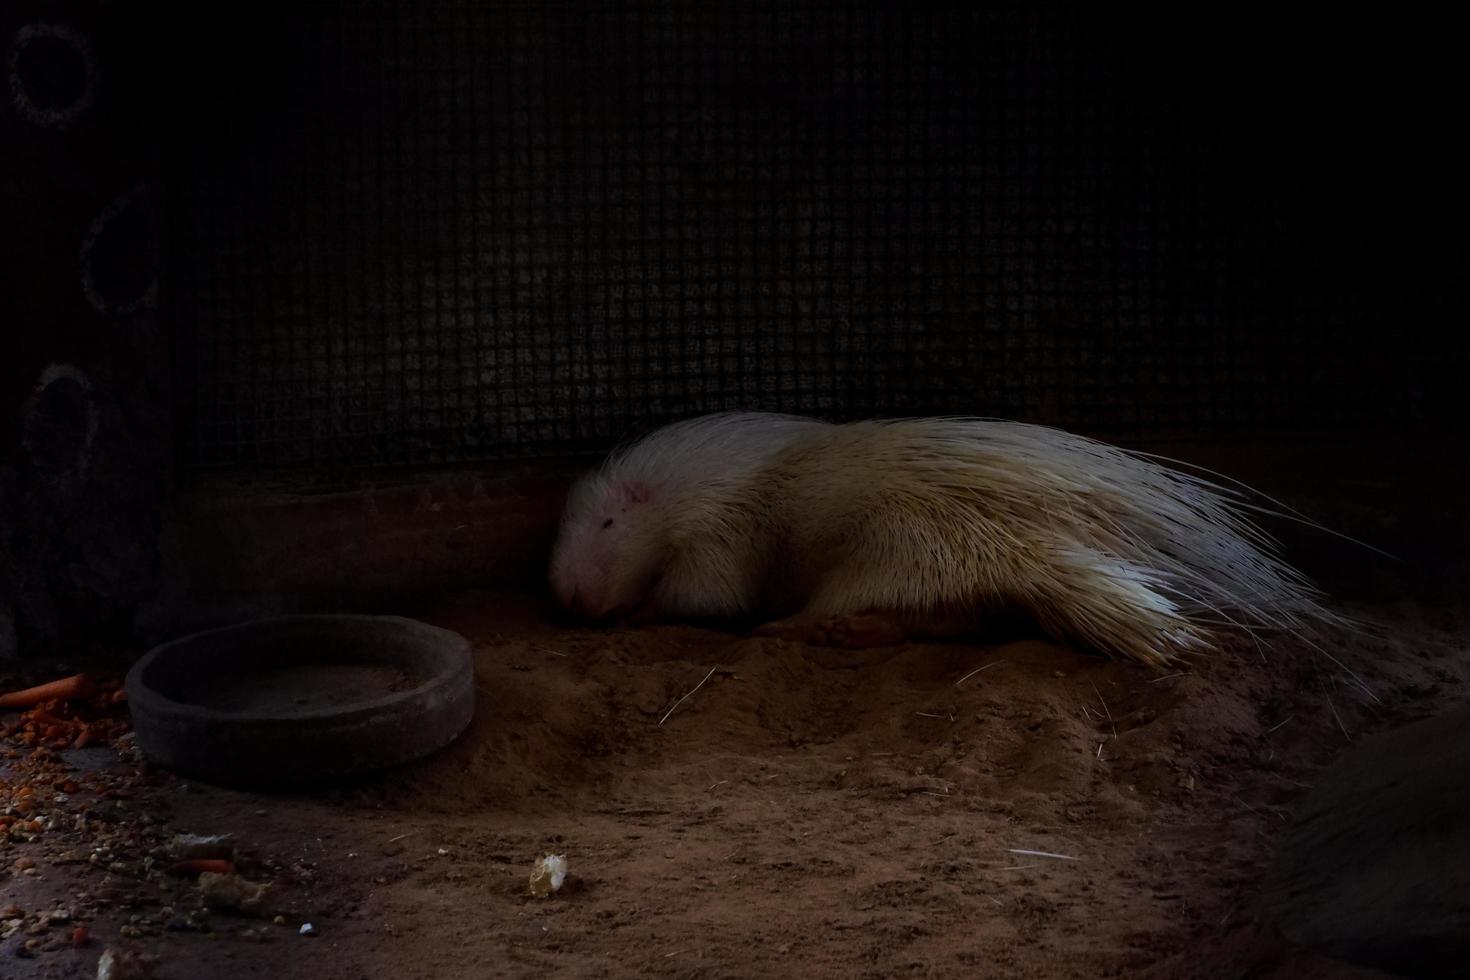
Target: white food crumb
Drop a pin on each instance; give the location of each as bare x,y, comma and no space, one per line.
549,874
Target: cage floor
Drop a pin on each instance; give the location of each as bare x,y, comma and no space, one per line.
802,813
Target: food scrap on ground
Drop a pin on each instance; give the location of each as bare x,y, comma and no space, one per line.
76,687
39,788
548,875
231,893
72,798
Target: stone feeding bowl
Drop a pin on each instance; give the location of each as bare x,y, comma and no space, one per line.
295,700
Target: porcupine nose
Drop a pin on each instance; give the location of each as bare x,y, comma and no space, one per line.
579,598
568,594
583,604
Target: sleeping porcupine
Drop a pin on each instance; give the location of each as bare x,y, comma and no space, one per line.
866,533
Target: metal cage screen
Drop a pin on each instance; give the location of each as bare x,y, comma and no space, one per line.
438,232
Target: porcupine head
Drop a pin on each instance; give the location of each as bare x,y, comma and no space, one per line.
609,549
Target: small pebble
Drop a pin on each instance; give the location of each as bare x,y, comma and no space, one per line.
279,920
307,929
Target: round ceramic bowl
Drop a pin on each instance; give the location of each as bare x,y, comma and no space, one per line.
294,700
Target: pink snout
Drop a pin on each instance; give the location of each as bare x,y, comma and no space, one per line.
597,600
586,605
579,598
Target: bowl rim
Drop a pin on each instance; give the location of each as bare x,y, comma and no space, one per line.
455,648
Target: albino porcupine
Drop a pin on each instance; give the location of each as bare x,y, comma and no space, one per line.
875,530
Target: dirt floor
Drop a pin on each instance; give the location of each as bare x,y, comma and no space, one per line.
804,812
732,807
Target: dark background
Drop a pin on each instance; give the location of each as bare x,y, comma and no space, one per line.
292,238
451,231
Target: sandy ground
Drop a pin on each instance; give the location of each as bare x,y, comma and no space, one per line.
804,812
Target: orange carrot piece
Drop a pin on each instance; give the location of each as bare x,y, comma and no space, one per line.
76,686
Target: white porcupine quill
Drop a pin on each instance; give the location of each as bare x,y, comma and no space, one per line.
1099,544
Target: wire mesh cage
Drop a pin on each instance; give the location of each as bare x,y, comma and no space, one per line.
437,232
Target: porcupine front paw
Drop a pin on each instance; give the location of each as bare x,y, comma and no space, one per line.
855,632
